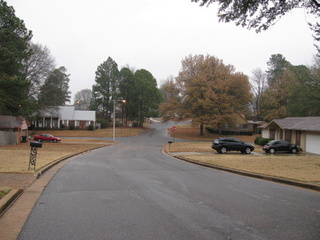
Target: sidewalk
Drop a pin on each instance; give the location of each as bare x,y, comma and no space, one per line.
13,219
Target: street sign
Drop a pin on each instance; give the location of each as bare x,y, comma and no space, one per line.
174,128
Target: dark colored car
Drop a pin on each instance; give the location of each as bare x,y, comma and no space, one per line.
280,146
46,137
224,144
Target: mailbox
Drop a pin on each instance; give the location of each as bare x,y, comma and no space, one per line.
36,144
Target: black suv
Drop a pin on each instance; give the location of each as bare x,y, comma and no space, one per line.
280,146
224,144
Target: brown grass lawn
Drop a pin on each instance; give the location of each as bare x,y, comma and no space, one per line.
15,158
120,132
301,167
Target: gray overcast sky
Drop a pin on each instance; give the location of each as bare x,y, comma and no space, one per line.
155,35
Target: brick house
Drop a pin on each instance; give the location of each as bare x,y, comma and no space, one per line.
302,131
65,116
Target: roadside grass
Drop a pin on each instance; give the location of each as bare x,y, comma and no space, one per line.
294,167
4,191
15,158
98,133
301,167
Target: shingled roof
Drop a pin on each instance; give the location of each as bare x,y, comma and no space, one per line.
298,123
12,122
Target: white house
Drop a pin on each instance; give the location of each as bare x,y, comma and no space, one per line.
65,116
302,131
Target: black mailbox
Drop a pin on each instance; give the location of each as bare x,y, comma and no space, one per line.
36,144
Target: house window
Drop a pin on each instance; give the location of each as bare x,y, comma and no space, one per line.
87,123
65,123
245,126
77,123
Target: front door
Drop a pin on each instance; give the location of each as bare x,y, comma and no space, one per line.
272,133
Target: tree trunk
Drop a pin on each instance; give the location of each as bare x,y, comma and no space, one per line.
201,130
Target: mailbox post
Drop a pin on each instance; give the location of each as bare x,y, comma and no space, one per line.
33,153
173,129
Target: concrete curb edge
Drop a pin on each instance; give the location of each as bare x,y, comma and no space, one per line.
9,199
248,174
14,194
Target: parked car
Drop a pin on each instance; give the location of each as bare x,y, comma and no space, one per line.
224,144
280,146
46,137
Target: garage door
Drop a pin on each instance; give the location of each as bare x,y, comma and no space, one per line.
313,143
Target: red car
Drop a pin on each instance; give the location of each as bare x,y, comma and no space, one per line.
46,137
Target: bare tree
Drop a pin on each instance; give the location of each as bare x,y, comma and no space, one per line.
259,79
37,67
82,99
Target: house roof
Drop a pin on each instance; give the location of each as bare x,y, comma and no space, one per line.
69,113
13,122
297,123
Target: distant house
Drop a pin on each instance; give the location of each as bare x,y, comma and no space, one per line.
302,131
242,124
65,116
12,129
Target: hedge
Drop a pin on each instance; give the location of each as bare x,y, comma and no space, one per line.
226,132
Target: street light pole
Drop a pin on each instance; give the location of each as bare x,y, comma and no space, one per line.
114,117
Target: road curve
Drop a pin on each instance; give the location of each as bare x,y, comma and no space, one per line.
133,191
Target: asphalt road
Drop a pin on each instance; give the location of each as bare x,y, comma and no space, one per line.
133,191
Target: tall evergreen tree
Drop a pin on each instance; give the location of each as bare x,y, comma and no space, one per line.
55,91
277,64
106,87
14,48
147,94
127,92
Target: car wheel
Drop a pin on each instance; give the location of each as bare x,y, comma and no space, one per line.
39,140
294,150
272,150
223,150
54,140
248,150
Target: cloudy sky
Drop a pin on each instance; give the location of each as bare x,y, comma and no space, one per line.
154,35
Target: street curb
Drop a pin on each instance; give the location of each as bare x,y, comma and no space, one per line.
14,194
248,174
9,199
50,165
